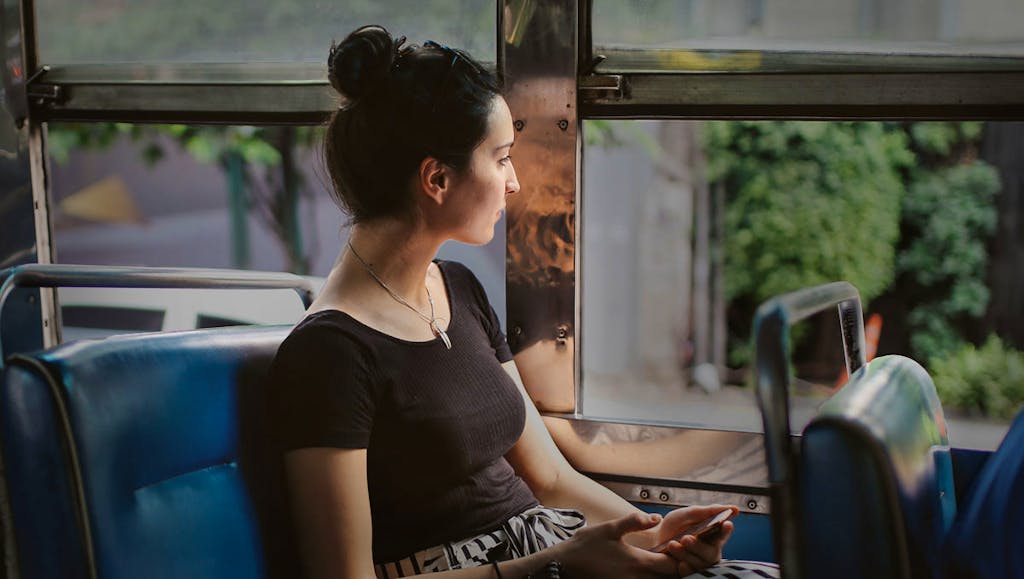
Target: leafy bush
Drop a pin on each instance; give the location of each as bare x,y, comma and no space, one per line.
948,215
806,203
988,380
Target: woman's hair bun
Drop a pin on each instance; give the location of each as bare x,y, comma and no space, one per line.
361,61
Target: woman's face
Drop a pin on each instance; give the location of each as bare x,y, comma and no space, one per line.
478,193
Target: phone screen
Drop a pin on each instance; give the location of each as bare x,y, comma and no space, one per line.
704,530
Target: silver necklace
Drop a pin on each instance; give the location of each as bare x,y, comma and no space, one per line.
431,320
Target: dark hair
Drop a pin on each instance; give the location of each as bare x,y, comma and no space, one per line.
400,104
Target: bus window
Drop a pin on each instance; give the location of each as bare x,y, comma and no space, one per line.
100,321
245,31
208,321
212,197
800,35
690,225
190,196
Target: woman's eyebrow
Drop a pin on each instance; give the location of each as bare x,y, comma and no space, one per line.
500,147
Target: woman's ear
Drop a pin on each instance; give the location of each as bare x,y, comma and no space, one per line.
434,179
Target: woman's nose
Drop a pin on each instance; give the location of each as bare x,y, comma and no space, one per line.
512,185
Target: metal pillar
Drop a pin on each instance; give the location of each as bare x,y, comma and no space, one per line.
537,57
24,224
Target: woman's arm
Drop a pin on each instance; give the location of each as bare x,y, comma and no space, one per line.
331,505
552,479
330,502
556,483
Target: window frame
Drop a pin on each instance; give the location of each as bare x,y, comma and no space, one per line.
593,87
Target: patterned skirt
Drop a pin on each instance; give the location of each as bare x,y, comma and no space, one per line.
529,532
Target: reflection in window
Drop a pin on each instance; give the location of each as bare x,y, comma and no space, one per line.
689,226
244,31
210,321
978,27
112,318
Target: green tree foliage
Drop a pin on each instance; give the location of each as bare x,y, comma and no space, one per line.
988,380
270,175
207,144
806,203
948,215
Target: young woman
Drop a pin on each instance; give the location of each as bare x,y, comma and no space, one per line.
410,445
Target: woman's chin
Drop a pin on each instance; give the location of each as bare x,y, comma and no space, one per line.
477,238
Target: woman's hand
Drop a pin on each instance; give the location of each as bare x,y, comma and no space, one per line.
599,551
690,553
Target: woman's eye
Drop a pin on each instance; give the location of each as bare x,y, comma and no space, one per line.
506,160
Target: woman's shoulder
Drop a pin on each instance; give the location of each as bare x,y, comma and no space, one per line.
322,324
329,334
453,268
458,275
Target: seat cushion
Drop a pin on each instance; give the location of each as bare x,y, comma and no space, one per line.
876,477
166,434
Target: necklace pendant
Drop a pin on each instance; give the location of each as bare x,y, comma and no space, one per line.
442,334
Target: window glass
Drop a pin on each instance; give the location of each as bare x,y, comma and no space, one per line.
212,197
79,321
244,31
760,34
208,321
690,225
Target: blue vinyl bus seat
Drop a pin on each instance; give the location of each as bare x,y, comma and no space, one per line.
875,477
144,456
987,539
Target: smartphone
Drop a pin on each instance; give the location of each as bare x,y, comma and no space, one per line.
706,530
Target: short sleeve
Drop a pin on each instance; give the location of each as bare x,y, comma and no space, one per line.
488,317
321,390
497,337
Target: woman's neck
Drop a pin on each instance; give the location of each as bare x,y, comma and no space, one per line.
399,253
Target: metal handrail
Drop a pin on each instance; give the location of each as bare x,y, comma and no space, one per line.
102,276
772,377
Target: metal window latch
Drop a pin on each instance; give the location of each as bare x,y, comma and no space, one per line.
42,94
46,95
602,86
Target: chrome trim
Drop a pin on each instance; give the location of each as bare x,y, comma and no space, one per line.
966,95
671,455
539,53
193,103
983,95
222,93
167,74
40,182
259,94
697,59
43,232
772,378
61,275
670,496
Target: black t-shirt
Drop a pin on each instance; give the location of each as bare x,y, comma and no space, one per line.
436,423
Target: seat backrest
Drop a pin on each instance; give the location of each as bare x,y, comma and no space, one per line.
987,539
144,456
876,478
